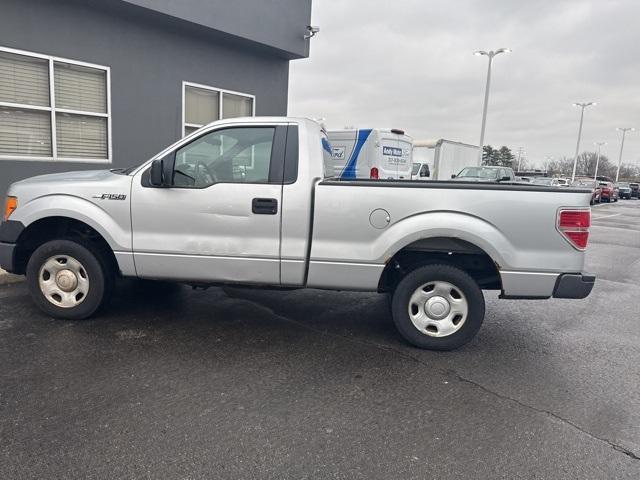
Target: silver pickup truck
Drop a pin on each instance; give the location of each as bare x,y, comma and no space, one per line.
244,201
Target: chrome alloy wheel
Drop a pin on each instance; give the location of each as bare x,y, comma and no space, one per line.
438,309
63,281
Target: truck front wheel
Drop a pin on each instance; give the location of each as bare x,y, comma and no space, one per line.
438,307
69,280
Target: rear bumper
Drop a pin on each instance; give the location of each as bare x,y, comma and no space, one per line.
574,285
542,285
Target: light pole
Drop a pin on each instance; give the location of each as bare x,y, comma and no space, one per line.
599,144
520,152
490,54
575,159
624,132
547,161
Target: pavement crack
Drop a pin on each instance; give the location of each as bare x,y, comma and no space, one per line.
458,376
549,413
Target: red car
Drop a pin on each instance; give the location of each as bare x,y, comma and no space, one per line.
608,192
587,182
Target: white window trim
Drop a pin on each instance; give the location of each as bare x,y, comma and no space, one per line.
53,110
221,92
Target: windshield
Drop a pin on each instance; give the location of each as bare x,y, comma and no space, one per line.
415,168
479,172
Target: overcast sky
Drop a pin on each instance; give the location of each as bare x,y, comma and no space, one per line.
408,64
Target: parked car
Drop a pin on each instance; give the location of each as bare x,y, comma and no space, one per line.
547,181
624,190
420,171
485,174
188,215
608,192
635,189
588,182
563,182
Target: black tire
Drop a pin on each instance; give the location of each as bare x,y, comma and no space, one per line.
445,273
99,272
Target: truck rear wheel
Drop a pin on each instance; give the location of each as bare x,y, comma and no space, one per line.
68,280
438,307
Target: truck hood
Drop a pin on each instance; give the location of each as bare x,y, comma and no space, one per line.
88,184
67,177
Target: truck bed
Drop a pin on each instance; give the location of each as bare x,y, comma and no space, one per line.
515,224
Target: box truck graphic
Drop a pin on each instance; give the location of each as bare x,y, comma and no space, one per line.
369,153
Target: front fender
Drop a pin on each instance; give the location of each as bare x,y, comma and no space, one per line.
113,224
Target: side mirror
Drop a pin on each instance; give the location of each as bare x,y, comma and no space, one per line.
155,177
453,176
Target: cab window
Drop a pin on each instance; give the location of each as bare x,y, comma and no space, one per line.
232,155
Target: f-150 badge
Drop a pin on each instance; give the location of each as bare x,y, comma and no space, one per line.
110,196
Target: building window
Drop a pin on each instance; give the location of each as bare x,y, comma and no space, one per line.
53,108
202,104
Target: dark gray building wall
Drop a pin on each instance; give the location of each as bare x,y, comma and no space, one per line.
150,55
280,24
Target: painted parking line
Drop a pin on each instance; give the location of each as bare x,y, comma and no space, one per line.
607,216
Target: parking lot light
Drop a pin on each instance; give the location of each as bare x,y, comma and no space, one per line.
624,132
490,54
599,144
582,106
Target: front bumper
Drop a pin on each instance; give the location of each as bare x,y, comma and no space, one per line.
9,233
574,285
6,256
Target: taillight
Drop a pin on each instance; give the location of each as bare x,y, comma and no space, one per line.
374,173
574,226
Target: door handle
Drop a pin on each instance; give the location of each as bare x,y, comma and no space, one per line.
264,206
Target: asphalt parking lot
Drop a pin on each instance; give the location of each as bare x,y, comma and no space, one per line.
236,383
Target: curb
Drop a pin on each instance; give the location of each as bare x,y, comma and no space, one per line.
6,278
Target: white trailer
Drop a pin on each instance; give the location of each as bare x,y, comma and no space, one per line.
445,157
369,153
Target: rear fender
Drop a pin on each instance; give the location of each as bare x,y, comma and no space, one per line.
446,224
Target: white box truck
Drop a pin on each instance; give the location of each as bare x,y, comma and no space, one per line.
369,153
444,157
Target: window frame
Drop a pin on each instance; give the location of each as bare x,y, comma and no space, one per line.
221,92
53,110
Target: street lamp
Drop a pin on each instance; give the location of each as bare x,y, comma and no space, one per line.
599,144
490,54
624,132
575,159
520,152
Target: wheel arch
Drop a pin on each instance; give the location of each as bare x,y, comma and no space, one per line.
454,251
452,237
50,228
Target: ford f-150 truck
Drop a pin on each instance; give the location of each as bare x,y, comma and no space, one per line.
244,201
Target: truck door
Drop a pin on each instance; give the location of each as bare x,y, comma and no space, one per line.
218,216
